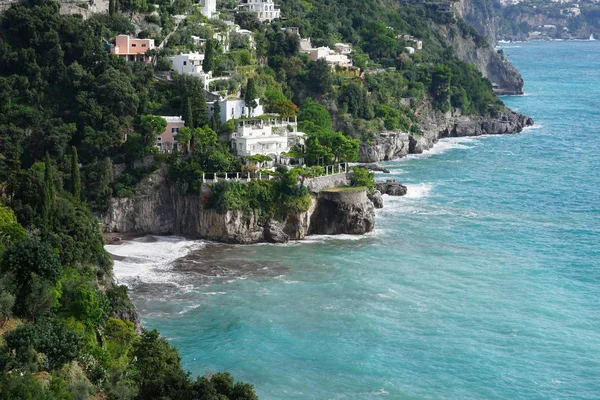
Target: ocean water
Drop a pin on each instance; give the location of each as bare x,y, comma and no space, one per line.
482,283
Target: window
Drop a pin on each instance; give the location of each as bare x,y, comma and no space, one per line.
133,45
232,112
143,45
158,139
174,130
185,63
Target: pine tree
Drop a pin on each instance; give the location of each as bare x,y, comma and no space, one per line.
75,175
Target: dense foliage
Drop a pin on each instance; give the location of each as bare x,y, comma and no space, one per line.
69,111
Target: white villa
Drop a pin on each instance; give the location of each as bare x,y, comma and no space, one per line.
415,43
233,108
191,64
265,10
340,56
267,136
208,8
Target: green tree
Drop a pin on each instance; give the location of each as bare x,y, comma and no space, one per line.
313,116
25,259
152,126
215,119
10,230
158,370
319,77
362,177
184,137
57,342
210,55
75,175
49,195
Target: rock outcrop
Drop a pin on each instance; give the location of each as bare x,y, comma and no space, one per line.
436,125
348,211
376,198
386,146
391,187
157,208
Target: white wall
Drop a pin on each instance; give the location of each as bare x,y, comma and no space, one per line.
208,8
236,108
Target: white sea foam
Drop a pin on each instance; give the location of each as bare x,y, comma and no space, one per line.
150,261
533,127
418,191
447,144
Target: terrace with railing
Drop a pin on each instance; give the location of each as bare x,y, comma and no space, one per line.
246,176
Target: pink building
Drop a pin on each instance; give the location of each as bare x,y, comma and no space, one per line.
167,141
132,49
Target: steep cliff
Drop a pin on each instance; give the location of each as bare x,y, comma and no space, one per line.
482,15
348,211
157,208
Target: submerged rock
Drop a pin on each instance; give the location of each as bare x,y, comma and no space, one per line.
391,187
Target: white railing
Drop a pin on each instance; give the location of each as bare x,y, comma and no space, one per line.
213,177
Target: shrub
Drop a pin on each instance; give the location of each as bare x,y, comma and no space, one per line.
362,177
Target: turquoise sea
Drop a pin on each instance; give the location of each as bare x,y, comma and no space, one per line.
482,283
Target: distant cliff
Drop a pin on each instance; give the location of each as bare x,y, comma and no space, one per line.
157,208
494,66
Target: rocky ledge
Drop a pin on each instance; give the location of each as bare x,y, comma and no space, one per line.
435,125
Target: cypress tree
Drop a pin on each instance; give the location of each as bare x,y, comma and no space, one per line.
188,116
250,95
209,56
215,120
200,109
49,193
75,175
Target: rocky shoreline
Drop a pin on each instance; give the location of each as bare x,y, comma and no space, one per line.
394,145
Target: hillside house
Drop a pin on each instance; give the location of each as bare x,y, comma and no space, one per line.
267,136
265,10
132,49
208,8
166,142
232,107
191,64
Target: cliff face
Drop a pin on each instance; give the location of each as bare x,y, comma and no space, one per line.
157,208
348,211
436,125
482,15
